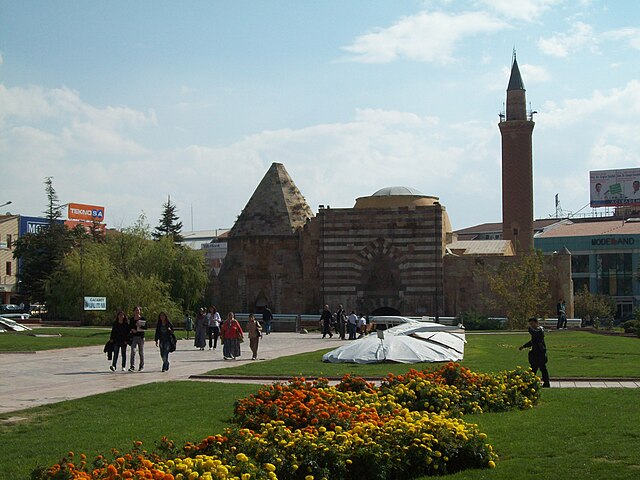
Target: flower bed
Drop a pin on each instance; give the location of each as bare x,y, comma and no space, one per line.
409,427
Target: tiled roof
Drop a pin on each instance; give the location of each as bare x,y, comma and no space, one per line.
590,229
481,247
276,207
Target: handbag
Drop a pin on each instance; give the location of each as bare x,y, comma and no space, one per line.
173,341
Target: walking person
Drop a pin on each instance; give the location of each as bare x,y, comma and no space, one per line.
362,326
254,330
341,319
231,333
325,322
119,336
561,310
267,317
164,338
137,324
352,325
538,352
201,328
214,327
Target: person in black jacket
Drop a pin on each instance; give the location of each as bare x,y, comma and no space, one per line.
538,352
119,336
164,332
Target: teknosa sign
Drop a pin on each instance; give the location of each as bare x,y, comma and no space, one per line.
79,211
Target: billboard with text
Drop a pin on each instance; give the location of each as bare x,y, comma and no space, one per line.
615,188
80,211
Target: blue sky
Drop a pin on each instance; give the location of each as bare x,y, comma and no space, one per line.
124,103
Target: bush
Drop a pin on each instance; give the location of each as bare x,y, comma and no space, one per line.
475,321
631,326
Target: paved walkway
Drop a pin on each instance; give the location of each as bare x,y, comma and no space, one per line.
32,379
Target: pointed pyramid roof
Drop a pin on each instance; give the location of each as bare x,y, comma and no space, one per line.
276,207
515,80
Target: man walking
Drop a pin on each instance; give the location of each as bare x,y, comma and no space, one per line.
267,317
138,325
538,352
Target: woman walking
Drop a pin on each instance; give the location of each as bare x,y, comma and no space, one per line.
200,340
214,327
231,333
138,325
164,333
119,335
254,329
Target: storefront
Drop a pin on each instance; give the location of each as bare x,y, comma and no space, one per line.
605,257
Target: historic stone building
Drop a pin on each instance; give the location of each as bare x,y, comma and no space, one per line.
392,253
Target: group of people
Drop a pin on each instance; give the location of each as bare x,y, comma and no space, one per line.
131,332
342,324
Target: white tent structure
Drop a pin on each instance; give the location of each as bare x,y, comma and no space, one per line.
409,342
7,323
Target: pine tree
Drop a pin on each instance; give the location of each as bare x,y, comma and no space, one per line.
169,224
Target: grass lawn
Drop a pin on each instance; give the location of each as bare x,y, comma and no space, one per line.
49,338
571,353
572,433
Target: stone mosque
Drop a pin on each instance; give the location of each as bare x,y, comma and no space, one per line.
392,253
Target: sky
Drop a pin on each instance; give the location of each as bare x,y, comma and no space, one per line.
127,103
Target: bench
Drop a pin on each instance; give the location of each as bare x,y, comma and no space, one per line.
553,322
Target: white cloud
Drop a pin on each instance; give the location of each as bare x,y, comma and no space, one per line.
426,37
522,9
631,35
563,44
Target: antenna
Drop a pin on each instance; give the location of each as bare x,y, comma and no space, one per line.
192,217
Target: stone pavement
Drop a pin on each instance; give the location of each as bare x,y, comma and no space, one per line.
32,379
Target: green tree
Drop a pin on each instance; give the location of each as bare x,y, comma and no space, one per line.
520,289
169,226
593,308
40,253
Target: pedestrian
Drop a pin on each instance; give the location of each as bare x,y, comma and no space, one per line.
254,330
325,322
267,317
562,315
214,327
341,319
538,352
201,327
164,332
188,324
119,337
231,334
137,324
362,326
352,324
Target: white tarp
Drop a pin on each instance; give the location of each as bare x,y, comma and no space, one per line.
410,342
8,324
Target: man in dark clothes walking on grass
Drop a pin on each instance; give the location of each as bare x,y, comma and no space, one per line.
538,352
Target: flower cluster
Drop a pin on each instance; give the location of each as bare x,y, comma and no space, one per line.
458,390
307,430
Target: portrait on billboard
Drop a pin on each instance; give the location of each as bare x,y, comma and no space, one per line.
613,188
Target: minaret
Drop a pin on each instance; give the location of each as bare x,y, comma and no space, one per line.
516,129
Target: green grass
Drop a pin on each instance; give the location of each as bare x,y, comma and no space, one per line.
50,338
571,353
93,425
572,433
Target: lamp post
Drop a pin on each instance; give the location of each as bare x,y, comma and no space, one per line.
6,203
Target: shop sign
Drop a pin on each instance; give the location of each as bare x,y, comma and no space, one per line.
613,241
95,303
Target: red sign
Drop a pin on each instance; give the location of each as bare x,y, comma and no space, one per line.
80,211
71,224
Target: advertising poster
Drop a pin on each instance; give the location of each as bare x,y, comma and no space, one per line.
615,188
80,211
95,303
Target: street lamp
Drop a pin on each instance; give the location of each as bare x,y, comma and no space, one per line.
5,204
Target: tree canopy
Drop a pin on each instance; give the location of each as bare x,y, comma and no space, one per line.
169,226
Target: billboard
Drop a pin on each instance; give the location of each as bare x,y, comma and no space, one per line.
95,303
615,188
80,211
33,225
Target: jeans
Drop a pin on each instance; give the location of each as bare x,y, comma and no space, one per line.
214,333
116,350
164,354
137,342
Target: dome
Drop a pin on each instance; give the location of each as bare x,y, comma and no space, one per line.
395,191
394,197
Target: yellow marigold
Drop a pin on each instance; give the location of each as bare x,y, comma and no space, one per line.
491,464
270,467
241,457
